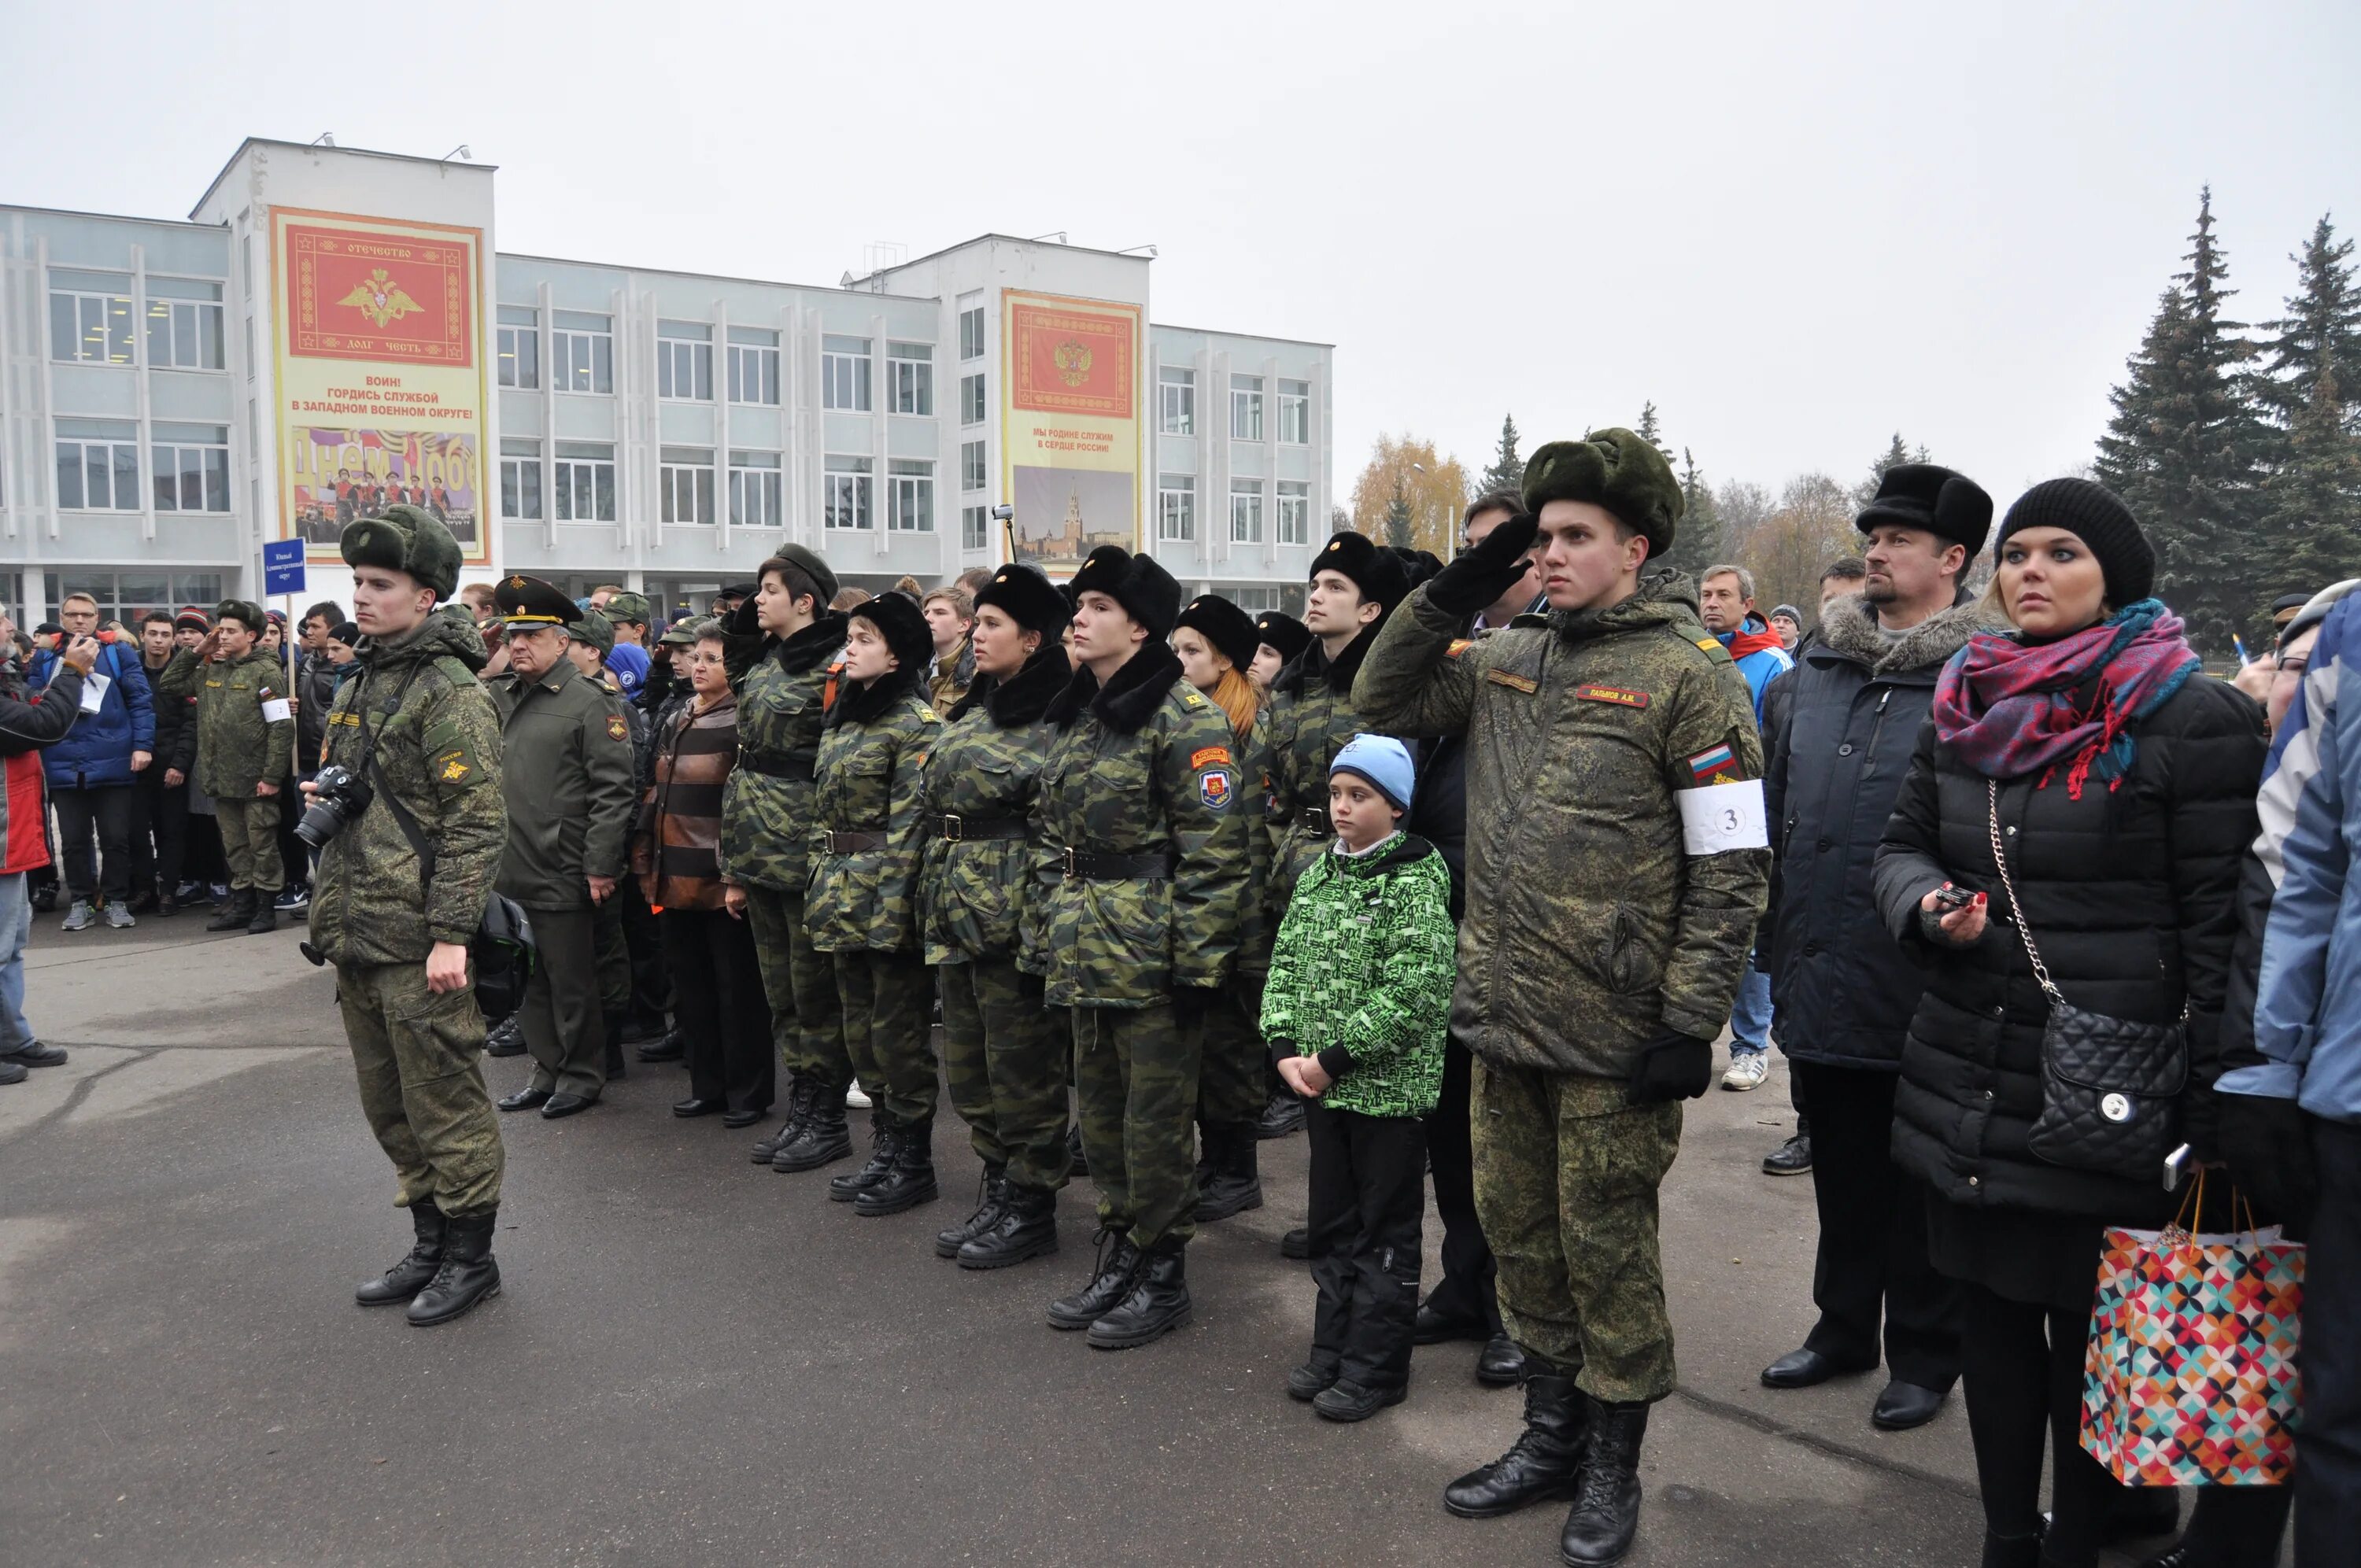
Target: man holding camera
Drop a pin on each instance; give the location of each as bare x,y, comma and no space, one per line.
409,846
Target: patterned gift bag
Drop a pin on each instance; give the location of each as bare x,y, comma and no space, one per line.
2190,1379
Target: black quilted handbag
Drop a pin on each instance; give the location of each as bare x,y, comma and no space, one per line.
2110,1087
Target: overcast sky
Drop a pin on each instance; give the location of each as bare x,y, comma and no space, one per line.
1796,227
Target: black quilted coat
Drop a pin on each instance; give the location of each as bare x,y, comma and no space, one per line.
2132,897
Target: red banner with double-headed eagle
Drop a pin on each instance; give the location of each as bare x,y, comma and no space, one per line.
352,294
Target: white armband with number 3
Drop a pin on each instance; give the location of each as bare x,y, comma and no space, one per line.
1722,818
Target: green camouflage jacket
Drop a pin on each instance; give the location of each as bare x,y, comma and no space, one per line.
986,767
1257,925
239,742
766,816
1598,913
1361,976
871,778
1144,766
569,780
1312,717
438,752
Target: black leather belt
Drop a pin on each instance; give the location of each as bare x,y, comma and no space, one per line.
1094,867
966,829
1315,817
836,843
776,767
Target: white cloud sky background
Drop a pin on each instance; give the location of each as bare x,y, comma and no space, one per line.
1796,228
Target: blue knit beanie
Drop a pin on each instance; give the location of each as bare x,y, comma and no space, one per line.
1384,762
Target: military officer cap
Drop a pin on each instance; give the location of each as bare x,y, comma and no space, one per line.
810,563
1281,630
594,627
1145,590
528,603
248,614
405,539
1368,566
1028,597
1614,469
626,607
1229,629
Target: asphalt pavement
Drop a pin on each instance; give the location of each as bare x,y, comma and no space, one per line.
695,1360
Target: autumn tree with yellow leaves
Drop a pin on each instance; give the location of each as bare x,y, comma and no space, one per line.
1431,489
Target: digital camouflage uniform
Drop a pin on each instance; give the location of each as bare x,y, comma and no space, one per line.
1582,735
239,745
374,914
1144,767
1310,718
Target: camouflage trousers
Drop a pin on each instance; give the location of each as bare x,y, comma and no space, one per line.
1566,1186
1136,1090
886,999
1233,1079
806,1020
419,1060
250,838
1006,1056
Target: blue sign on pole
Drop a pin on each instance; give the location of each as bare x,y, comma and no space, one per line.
283,566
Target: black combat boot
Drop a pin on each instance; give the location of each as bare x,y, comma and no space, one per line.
266,913
910,1180
821,1137
237,914
1157,1303
1543,1463
409,1276
1229,1183
1281,1115
1026,1227
467,1274
992,1198
885,1143
505,1038
1607,1505
1118,1260
799,1090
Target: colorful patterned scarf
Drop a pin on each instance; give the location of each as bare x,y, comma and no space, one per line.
2010,707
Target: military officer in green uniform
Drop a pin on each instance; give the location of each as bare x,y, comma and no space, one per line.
1005,1055
570,797
623,969
1614,747
1140,802
779,643
245,733
397,895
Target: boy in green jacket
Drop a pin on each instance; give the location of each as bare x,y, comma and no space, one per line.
1357,1010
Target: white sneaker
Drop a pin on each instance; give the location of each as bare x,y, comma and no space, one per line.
855,1099
1747,1069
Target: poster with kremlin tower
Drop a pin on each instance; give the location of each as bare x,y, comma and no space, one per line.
1071,445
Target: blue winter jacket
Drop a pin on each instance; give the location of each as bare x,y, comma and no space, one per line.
1761,666
97,751
2306,1017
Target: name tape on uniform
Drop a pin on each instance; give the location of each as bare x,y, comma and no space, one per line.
277,710
1724,817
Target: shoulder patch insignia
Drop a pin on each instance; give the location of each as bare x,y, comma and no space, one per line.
1214,788
1458,645
1616,695
617,729
1710,644
1717,765
1513,682
1209,756
451,766
1192,700
927,714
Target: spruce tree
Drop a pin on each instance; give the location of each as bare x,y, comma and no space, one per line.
1508,470
2314,495
1896,454
2310,386
1401,526
2319,335
1652,430
1697,542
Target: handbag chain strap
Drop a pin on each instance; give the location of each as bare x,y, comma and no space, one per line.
2024,931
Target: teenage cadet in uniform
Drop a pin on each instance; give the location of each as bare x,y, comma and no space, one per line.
1282,638
568,785
416,725
1005,1055
862,903
246,737
1140,802
1616,747
779,643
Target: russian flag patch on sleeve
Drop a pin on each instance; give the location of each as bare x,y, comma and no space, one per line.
1718,765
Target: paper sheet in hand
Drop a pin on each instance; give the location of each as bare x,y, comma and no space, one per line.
93,691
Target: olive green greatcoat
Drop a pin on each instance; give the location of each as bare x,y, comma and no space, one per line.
568,782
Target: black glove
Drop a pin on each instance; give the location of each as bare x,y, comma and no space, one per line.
2268,1150
1188,1004
1481,576
743,621
1672,1067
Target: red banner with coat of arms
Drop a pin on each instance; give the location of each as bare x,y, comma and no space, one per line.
352,294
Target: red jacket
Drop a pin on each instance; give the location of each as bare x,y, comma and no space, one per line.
25,729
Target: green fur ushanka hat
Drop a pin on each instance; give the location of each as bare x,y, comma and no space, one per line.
1615,469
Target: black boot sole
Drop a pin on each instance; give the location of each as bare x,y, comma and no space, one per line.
1043,1248
1134,1338
869,1206
1559,1493
1208,1213
829,1154
1358,1413
460,1312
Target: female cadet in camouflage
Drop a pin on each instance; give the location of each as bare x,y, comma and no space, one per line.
246,735
1005,1054
861,906
779,643
1216,642
1139,804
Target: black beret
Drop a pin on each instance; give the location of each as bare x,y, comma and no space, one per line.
1377,571
904,626
405,539
1145,590
1615,469
1281,630
1225,625
1930,497
528,602
1028,597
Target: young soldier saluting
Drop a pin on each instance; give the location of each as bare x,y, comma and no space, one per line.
1139,804
245,734
1616,746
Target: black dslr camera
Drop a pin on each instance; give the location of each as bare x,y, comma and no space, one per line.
339,796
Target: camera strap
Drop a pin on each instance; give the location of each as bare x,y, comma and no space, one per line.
375,775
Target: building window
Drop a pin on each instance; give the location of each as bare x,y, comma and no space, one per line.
971,334
844,375
98,465
911,488
972,399
844,492
583,478
1245,408
520,348
685,485
1295,413
753,366
190,467
1176,506
582,352
521,479
1245,511
971,470
184,325
911,369
976,527
684,361
1294,513
90,318
1253,601
1176,401
755,493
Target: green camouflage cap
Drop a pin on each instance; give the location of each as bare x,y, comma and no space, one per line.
406,539
627,607
597,630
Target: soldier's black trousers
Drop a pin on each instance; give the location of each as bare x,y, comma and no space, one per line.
886,999
724,1017
1231,1087
560,1015
1467,1288
1368,1202
1004,1056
